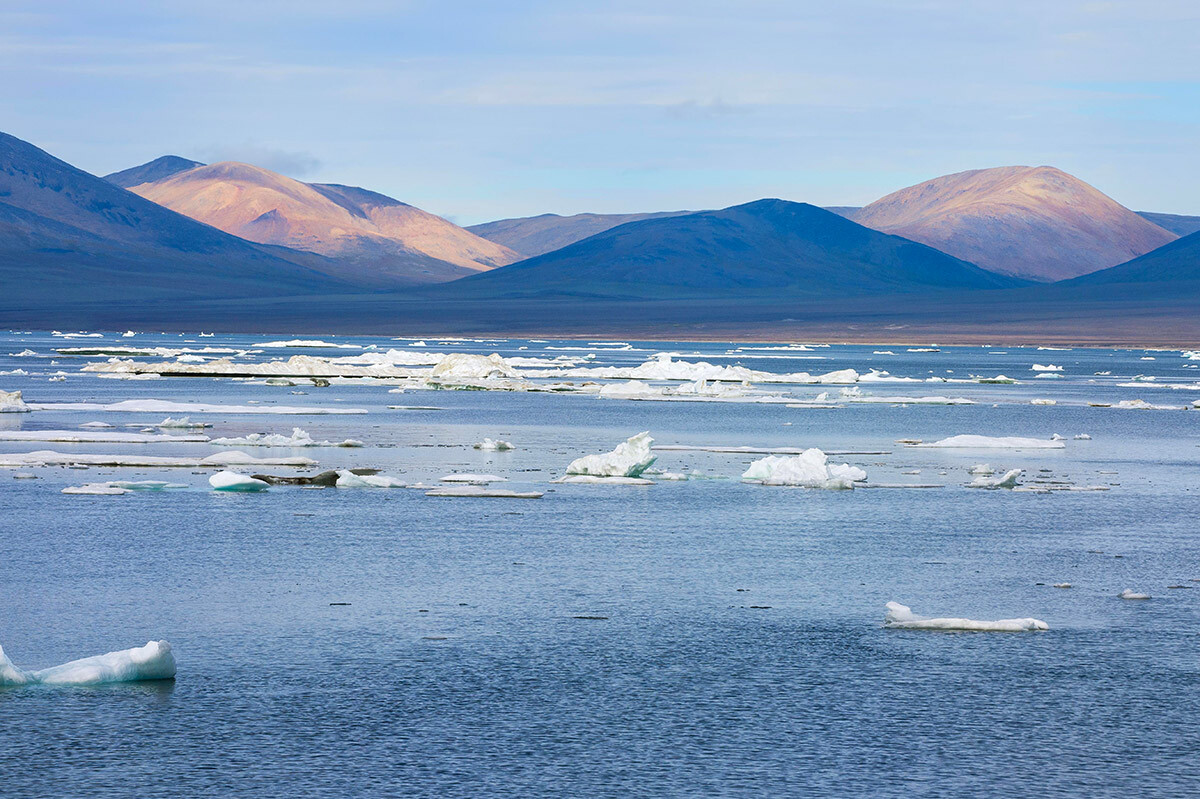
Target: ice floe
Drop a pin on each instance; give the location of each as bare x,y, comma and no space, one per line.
901,617
462,365
154,661
97,436
312,343
182,423
167,406
1006,480
630,458
481,491
232,481
11,402
348,479
1049,367
992,442
1142,405
51,458
473,479
1129,593
810,469
495,445
96,489
298,438
592,479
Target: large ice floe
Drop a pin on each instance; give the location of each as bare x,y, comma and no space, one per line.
93,436
11,402
311,343
154,661
901,617
167,406
232,481
231,457
629,459
810,469
992,442
298,438
1006,480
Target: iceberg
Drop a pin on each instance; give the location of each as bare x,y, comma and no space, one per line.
348,479
298,438
901,617
154,661
11,402
992,442
495,446
1006,480
630,458
809,469
232,481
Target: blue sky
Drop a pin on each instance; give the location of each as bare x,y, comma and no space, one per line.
481,110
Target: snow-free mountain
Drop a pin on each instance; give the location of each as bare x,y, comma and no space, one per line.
536,235
378,238
1032,222
68,236
769,248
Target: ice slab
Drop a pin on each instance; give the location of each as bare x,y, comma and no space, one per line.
474,479
993,442
592,479
98,437
480,491
809,469
1006,480
11,402
96,489
630,458
232,481
154,661
1129,593
298,438
348,479
51,458
166,406
901,617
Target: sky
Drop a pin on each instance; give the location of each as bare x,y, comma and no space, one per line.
484,110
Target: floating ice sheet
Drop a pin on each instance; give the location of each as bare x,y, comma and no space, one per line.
901,617
154,661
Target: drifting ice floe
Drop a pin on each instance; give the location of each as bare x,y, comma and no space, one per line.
993,442
308,344
166,406
981,468
348,479
901,617
598,480
1142,405
1049,367
51,458
97,437
1043,402
11,402
809,469
154,661
182,423
474,479
480,491
232,481
462,365
629,459
298,438
1129,593
1006,480
496,445
114,487
96,489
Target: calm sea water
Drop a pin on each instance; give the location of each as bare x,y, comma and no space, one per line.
741,650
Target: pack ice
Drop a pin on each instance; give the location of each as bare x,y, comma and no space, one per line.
809,469
154,661
901,617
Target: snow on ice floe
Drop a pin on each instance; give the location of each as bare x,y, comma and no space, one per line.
348,479
992,442
1142,405
298,438
310,343
473,479
167,406
11,402
630,458
182,423
97,436
154,661
1041,401
809,469
462,365
901,617
1049,367
482,491
96,489
495,445
232,481
51,458
1129,593
23,354
1006,480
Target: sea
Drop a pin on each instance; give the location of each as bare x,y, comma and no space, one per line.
701,637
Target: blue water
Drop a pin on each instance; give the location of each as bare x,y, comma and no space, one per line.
741,650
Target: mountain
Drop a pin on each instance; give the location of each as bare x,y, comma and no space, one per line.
766,249
68,236
158,169
1033,222
847,211
375,237
535,235
1178,224
1177,264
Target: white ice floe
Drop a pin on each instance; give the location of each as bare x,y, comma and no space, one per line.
11,402
232,481
96,489
348,479
182,423
51,458
463,365
145,485
23,354
629,459
810,469
167,406
592,479
1006,480
473,479
1043,402
1082,437
901,617
154,661
97,425
1129,593
496,445
480,491
1142,405
97,436
1061,585
993,442
1049,367
298,438
981,468
634,389
308,344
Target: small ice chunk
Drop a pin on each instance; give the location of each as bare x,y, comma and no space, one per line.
1062,585
1057,437
473,479
1007,480
298,438
1129,593
809,469
11,402
182,423
494,445
348,479
1049,367
97,425
154,661
901,617
232,481
1082,437
1043,402
630,458
96,489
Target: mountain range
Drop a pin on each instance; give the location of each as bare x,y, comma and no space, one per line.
537,235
